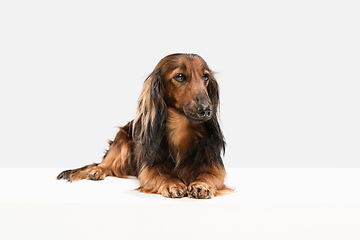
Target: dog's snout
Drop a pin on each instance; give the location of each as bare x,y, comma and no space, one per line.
204,110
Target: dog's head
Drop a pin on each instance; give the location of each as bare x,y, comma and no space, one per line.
185,83
182,82
189,86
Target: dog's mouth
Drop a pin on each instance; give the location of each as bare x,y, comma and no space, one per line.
196,116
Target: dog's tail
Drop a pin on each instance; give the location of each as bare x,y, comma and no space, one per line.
224,191
76,174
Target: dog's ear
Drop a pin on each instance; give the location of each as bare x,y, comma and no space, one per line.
213,91
149,125
158,111
213,126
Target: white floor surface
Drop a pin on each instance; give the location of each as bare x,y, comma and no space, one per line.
268,204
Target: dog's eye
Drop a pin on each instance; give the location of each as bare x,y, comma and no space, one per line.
179,77
206,77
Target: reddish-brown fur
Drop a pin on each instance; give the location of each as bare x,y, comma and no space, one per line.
174,143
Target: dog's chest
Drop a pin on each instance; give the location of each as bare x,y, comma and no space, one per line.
181,133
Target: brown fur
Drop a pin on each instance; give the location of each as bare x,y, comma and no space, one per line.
174,143
181,133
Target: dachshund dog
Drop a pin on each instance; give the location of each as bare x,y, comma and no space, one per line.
174,144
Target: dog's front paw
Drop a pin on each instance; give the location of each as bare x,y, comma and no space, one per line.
173,190
96,173
200,190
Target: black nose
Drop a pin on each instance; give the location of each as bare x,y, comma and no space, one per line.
204,110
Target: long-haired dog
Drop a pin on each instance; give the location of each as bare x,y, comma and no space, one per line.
174,144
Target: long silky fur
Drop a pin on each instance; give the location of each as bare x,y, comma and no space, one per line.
149,128
149,125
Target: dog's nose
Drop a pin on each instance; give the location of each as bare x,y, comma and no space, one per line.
204,110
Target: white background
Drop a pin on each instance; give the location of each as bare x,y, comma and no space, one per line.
289,73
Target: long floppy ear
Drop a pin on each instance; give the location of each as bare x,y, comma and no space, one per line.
149,125
213,91
213,126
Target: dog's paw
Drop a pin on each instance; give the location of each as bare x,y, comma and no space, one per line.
173,190
65,175
201,190
96,173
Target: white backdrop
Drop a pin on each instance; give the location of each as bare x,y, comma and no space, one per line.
289,73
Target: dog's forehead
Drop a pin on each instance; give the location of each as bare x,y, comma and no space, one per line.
191,64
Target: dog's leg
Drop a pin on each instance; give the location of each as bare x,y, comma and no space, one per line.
151,181
76,174
116,162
